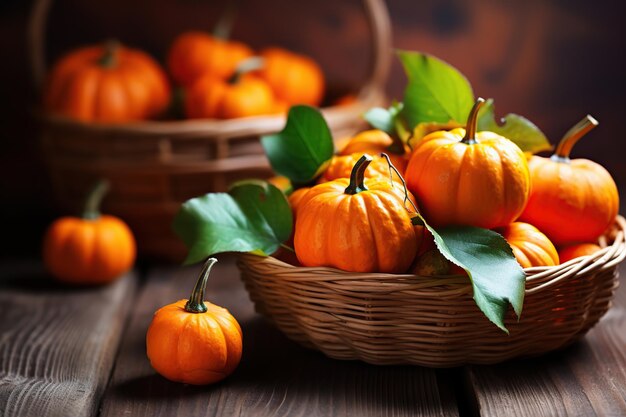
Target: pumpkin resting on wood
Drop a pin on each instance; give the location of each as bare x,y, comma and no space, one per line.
356,225
194,341
94,249
109,83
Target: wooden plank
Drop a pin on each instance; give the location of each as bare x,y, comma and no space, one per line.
276,376
586,379
57,344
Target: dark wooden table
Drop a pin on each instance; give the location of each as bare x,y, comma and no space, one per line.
81,352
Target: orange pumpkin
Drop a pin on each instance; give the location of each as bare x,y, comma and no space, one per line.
107,83
295,199
95,249
240,96
572,200
462,177
577,250
356,225
530,246
294,78
376,141
193,341
340,166
195,54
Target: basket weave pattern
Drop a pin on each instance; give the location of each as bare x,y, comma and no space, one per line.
430,321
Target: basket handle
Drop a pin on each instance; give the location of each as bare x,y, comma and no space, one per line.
376,12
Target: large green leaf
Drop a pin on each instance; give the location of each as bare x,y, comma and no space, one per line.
303,148
252,216
436,91
514,127
497,278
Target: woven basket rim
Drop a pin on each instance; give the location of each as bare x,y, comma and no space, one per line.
537,278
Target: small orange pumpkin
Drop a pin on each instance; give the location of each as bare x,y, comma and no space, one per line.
193,341
530,246
356,225
376,141
195,54
341,166
108,83
577,250
462,177
572,200
92,250
294,78
240,96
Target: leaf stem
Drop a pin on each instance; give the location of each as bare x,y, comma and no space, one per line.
195,304
572,136
357,176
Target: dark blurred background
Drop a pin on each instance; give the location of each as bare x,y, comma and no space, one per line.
552,61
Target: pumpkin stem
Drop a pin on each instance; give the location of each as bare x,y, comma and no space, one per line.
94,199
109,57
572,136
416,220
195,304
357,176
224,25
470,127
247,65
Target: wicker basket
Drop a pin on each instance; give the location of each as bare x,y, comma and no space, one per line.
431,321
155,166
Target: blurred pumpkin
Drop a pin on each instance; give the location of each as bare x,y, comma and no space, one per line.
356,225
577,250
92,250
107,83
193,341
376,141
294,78
572,200
530,246
196,54
461,177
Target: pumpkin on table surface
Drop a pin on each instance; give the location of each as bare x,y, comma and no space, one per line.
530,246
95,249
572,200
464,177
294,78
577,250
195,54
376,141
356,225
241,95
193,341
107,83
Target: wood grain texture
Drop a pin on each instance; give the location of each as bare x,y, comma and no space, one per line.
585,379
57,344
276,376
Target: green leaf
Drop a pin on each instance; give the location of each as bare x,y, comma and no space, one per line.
497,278
514,127
303,148
436,92
384,119
252,216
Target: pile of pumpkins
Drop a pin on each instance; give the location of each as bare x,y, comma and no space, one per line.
455,177
220,79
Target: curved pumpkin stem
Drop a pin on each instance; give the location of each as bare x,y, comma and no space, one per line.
470,127
247,65
195,304
94,199
109,57
357,176
580,129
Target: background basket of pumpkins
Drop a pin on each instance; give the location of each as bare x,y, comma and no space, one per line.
163,133
435,238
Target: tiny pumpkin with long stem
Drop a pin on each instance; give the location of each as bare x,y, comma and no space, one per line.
572,200
91,250
464,177
241,95
530,246
356,224
193,341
